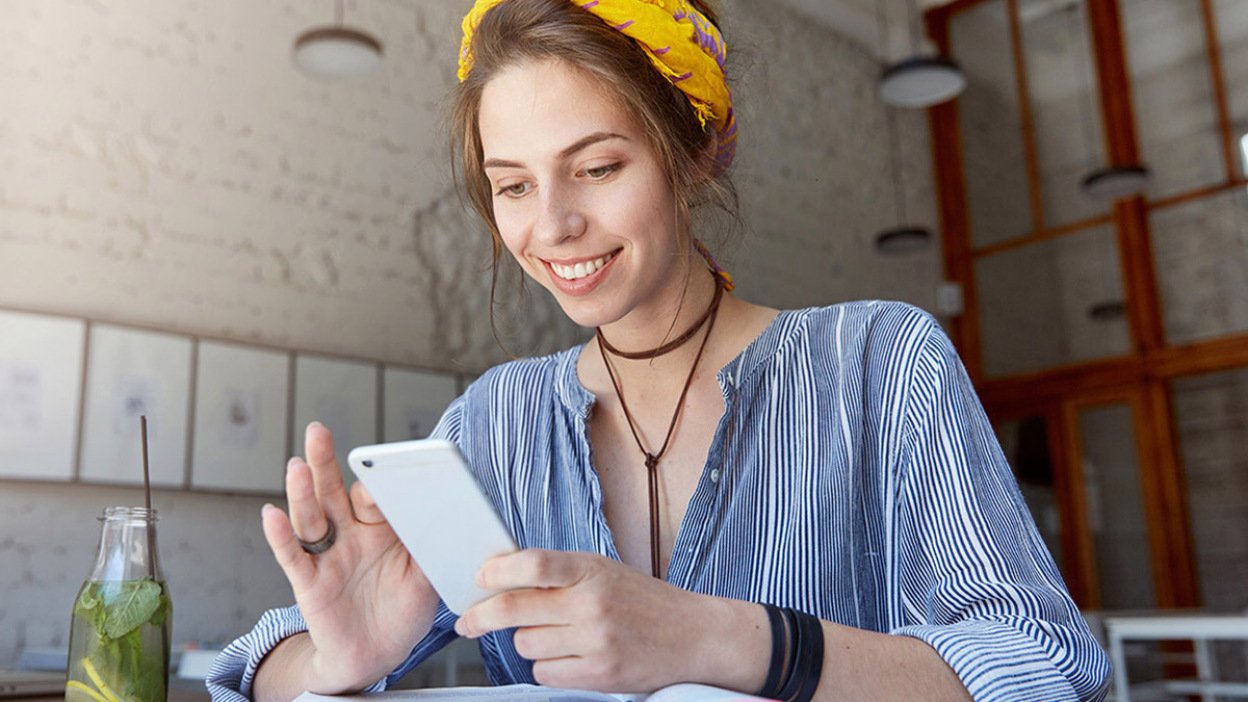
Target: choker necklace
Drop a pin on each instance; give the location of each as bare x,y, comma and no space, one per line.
652,459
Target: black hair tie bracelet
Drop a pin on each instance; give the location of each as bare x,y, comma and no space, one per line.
796,655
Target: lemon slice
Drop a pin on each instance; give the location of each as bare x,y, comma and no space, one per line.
109,695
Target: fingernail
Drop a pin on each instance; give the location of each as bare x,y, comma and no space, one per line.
315,423
461,628
291,464
265,509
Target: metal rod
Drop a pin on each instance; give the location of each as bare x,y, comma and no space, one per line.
147,476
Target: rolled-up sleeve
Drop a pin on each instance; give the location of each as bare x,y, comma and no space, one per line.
233,673
974,577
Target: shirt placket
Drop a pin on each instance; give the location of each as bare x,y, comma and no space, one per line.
703,515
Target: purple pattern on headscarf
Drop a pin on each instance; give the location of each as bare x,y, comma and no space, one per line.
708,38
710,260
727,149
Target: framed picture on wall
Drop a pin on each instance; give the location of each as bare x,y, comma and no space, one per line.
413,401
240,435
133,373
340,394
40,395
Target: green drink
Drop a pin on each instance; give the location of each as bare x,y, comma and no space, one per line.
119,636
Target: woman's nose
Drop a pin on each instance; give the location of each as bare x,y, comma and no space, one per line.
560,218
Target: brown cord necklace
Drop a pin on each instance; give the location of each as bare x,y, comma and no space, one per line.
652,459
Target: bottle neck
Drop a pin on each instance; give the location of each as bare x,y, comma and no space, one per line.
127,548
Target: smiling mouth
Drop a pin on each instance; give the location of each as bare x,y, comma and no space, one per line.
582,269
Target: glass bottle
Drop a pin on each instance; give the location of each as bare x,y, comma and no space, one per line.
119,637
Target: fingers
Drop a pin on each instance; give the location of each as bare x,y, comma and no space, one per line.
569,672
543,642
364,506
296,564
318,446
534,568
306,516
516,608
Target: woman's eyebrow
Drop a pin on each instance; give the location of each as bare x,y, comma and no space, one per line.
589,140
582,143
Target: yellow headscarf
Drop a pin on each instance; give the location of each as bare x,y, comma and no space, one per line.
681,42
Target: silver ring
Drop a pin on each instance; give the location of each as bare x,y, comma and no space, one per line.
322,544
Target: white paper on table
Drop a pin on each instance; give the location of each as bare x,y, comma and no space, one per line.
683,692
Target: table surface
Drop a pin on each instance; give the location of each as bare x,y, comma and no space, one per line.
179,691
1185,626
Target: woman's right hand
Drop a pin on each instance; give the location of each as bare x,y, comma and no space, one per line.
366,602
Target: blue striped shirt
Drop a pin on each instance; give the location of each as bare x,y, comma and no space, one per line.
853,475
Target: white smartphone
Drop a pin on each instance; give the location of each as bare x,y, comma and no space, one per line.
436,507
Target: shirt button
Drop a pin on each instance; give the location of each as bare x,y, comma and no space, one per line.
714,475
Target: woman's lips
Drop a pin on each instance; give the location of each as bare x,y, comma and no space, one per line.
586,281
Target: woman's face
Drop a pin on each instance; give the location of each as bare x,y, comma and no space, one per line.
580,198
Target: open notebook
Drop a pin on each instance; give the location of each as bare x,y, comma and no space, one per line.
684,692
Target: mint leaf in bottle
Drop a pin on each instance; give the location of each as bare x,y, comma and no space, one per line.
136,604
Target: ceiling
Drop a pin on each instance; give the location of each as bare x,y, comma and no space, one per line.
858,19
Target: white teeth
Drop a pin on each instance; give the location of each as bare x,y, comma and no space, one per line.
581,269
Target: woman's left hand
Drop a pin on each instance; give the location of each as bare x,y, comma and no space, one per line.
590,622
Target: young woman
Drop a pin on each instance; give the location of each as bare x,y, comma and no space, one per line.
804,504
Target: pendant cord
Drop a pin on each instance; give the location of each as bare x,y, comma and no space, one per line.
652,459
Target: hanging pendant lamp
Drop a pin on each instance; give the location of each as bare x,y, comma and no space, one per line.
919,81
337,52
1104,183
1116,182
903,237
1107,311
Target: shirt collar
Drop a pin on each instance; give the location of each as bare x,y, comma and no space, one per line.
739,370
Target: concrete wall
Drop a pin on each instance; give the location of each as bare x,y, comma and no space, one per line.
163,164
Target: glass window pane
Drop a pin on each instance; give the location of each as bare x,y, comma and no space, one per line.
1026,446
1211,422
1211,418
1052,303
991,125
1111,484
1065,107
1201,253
1172,91
1231,19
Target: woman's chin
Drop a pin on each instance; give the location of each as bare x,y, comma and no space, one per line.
589,312
582,314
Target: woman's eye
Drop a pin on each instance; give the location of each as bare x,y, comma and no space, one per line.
600,172
515,189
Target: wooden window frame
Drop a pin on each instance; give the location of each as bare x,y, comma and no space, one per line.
1141,376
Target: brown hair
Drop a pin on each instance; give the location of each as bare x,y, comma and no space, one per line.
532,30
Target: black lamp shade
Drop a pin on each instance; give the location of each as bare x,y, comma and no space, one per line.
903,239
1115,182
1108,311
